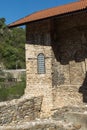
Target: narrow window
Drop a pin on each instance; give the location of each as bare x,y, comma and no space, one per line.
41,63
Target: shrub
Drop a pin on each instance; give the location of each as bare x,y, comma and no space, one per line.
13,92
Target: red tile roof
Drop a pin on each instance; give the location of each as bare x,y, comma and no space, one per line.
59,10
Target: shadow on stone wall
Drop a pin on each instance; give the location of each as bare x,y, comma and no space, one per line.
83,89
70,45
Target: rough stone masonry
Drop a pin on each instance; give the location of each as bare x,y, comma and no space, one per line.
20,109
63,42
56,67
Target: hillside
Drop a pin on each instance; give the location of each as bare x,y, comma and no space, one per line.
12,47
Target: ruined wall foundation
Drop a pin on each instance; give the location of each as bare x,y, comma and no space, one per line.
20,109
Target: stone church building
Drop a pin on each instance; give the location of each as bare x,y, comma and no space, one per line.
56,55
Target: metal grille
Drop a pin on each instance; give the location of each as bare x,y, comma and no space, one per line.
41,63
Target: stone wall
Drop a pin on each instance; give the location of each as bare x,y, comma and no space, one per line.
63,41
66,118
67,96
17,73
20,109
69,44
45,124
75,114
38,41
69,67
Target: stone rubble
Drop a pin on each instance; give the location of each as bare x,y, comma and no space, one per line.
25,114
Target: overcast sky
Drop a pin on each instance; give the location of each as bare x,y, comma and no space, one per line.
13,10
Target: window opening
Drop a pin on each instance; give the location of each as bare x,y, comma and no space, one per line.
41,63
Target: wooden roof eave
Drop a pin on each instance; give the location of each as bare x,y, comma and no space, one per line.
61,15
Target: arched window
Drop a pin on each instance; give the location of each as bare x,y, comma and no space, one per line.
41,63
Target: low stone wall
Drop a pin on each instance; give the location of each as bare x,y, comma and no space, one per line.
78,118
24,114
76,115
60,113
21,109
45,124
16,73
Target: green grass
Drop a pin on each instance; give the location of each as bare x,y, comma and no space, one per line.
13,92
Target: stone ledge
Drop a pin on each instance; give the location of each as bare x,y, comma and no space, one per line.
45,124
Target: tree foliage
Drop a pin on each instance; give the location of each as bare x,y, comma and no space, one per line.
12,46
